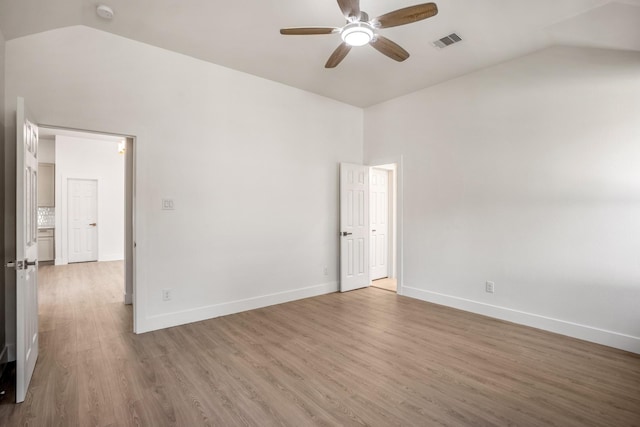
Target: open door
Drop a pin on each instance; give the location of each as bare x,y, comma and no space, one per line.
354,227
379,220
26,263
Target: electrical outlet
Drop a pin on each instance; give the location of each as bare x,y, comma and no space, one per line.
326,271
167,294
490,287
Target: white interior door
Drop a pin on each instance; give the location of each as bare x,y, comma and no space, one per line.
26,249
379,220
82,214
354,227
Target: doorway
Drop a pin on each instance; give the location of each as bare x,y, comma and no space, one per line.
382,220
92,218
370,226
23,270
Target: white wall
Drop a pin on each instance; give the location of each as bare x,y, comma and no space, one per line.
46,150
251,164
81,158
526,174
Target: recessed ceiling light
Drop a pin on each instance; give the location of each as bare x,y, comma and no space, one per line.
104,11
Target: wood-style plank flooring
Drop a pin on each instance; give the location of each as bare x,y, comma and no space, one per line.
366,357
387,283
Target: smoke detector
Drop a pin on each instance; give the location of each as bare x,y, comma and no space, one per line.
104,11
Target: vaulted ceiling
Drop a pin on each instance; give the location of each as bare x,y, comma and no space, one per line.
244,35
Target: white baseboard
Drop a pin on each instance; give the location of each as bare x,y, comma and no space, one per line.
101,258
111,257
575,330
168,320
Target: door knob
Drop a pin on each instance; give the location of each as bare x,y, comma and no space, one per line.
344,233
373,231
21,265
93,224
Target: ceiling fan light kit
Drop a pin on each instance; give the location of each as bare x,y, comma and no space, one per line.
357,33
359,30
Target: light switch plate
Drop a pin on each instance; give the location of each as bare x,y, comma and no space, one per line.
167,205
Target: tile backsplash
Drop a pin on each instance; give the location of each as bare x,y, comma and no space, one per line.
47,217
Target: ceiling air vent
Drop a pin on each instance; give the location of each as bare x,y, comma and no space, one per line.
447,41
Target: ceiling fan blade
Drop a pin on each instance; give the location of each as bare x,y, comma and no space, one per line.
406,16
350,8
304,31
389,48
338,55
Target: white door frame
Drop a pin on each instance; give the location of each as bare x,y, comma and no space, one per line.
131,266
397,193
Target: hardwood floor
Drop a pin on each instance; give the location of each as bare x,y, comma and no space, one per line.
386,283
366,357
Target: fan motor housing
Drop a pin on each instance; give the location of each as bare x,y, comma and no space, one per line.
364,17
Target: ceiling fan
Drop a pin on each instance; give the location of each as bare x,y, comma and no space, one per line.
359,30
